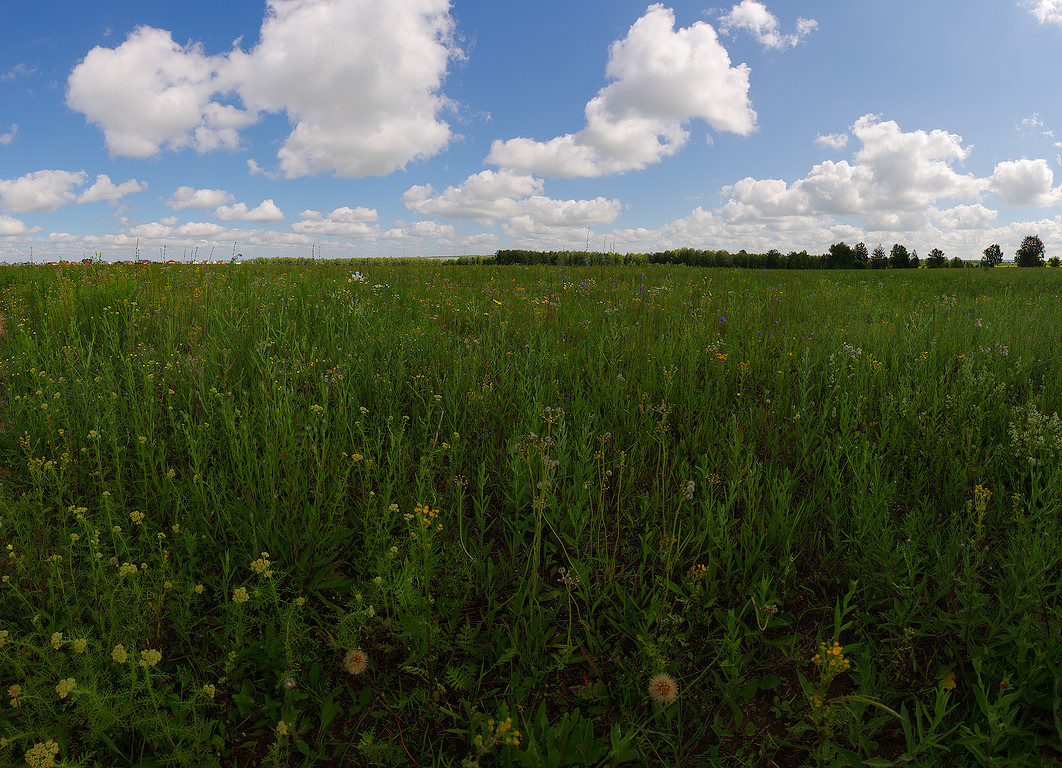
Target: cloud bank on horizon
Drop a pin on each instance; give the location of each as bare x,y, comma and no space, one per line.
359,115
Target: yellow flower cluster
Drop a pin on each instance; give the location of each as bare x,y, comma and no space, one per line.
150,658
981,497
427,517
830,660
65,687
42,755
57,640
498,733
119,654
136,516
261,566
240,595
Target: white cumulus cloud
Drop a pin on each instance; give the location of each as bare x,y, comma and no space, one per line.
662,78
420,230
892,180
754,18
7,138
190,197
343,222
150,93
1026,182
105,189
832,140
11,227
267,210
489,196
966,217
40,191
361,82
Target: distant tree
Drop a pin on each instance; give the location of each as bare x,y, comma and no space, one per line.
1031,253
993,256
936,259
899,258
773,259
840,256
879,259
861,254
1054,261
913,262
957,263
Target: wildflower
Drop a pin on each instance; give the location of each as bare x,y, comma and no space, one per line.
57,640
300,601
150,658
282,728
209,690
261,566
14,691
65,687
199,589
663,689
240,595
356,662
119,655
42,755
80,645
136,516
3,636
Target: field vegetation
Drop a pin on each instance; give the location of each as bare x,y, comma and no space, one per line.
422,513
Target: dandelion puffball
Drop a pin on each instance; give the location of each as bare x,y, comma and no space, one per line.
356,662
663,689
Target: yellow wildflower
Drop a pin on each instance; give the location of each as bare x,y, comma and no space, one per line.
42,755
65,687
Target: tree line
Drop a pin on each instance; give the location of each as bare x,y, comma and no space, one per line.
838,256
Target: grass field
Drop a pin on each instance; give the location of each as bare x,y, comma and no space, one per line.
396,514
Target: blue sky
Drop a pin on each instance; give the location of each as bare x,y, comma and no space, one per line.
421,127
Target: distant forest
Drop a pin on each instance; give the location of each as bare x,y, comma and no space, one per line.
839,256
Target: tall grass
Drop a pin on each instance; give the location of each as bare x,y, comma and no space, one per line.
824,505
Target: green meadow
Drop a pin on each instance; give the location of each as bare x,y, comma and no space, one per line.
402,513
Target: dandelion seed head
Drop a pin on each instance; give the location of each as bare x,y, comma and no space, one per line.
663,689
356,661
